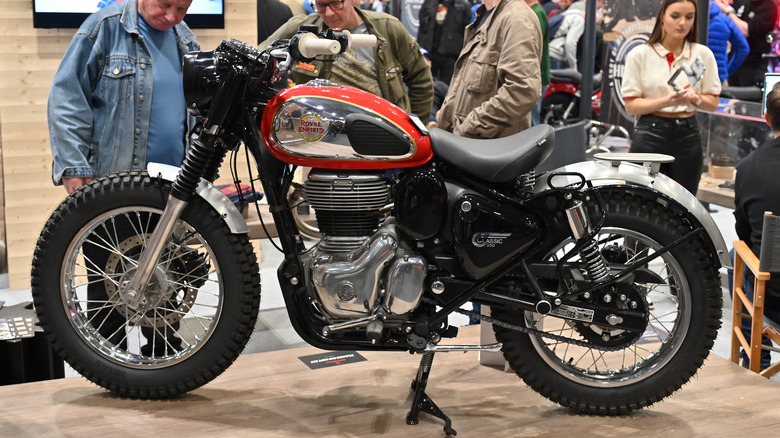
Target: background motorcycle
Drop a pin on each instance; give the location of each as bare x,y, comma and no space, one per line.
414,224
561,101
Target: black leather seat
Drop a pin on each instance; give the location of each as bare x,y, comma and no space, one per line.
496,160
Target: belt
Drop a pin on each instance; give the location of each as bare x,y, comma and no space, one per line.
680,115
685,120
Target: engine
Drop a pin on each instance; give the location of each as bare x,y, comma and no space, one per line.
346,205
359,267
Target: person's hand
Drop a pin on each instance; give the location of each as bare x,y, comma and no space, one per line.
73,183
680,97
725,5
694,98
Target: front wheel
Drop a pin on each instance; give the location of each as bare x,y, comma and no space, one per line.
199,308
600,370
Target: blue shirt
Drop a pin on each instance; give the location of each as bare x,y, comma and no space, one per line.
165,143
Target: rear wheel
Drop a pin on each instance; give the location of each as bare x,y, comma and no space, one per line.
199,308
615,371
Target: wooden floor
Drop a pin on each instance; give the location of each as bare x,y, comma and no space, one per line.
276,395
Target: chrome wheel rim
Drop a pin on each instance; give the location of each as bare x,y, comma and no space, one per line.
185,294
668,323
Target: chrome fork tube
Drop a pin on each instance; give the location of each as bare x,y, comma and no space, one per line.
136,287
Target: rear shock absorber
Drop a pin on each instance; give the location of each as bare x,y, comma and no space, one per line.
595,264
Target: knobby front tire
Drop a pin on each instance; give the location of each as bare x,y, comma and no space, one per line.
200,308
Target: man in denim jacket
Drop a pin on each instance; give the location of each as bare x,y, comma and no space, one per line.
117,101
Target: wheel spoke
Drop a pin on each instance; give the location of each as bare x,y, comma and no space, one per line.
638,356
184,295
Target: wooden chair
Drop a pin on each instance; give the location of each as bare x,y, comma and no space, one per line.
743,256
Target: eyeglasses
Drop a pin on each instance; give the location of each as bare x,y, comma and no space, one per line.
334,6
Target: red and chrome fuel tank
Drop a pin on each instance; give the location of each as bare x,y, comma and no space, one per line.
326,125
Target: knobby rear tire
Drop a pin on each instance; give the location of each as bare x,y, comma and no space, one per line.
556,372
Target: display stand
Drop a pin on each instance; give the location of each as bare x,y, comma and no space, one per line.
25,352
275,394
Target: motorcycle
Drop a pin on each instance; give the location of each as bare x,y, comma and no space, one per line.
146,282
561,101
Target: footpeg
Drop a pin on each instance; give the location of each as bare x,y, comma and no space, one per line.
327,330
374,330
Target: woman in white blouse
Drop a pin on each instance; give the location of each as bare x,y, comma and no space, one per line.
667,122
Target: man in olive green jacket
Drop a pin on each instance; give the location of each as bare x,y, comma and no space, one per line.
396,60
497,79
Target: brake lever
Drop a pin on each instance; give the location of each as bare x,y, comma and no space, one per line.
286,60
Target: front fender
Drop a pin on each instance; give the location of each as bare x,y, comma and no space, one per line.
209,193
615,173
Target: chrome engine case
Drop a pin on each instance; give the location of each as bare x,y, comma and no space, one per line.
359,268
378,275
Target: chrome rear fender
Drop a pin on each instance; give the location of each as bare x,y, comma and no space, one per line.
617,172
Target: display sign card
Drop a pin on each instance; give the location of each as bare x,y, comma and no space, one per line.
331,359
15,328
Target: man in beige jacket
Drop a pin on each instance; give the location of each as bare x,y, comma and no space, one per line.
497,79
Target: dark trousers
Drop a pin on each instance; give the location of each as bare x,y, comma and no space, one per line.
442,68
749,74
678,137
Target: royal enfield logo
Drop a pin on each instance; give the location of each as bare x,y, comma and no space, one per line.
312,128
488,240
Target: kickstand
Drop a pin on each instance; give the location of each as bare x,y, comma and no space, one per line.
423,403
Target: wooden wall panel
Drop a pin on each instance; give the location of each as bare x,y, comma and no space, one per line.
30,58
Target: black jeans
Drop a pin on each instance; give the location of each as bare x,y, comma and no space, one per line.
678,137
443,67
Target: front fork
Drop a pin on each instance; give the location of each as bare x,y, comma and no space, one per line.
197,162
133,290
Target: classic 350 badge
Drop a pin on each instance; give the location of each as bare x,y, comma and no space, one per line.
311,127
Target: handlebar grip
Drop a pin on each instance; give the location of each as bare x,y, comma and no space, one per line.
362,40
310,46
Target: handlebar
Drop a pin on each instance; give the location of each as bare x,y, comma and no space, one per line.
361,40
303,46
309,45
